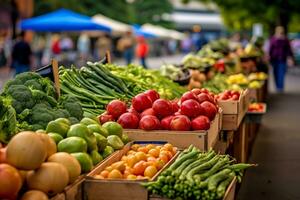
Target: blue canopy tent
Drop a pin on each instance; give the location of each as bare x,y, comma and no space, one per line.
138,31
61,20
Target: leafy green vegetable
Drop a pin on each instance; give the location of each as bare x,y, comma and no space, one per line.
8,122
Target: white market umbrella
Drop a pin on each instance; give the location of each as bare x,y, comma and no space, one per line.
114,25
162,32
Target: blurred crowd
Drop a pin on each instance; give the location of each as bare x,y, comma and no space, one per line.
30,51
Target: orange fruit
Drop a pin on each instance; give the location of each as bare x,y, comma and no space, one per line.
127,172
135,147
164,158
131,160
167,153
140,177
139,168
141,156
109,168
115,174
150,171
98,177
154,153
131,177
143,149
131,152
168,146
124,158
151,158
104,173
150,146
159,164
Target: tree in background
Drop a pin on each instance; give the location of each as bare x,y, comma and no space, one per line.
134,11
241,14
153,12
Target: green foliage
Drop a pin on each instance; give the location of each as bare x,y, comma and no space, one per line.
241,14
140,11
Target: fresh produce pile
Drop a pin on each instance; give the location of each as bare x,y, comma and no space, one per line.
95,84
195,110
175,73
147,79
197,175
87,141
256,107
30,161
35,102
228,95
140,162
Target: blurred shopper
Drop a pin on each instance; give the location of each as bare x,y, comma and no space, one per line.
186,43
55,46
103,45
39,46
126,46
3,58
172,46
198,38
21,55
142,50
66,44
83,46
279,52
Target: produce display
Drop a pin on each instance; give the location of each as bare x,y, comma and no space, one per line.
228,95
257,107
35,103
87,141
197,175
95,84
31,162
175,73
194,111
140,162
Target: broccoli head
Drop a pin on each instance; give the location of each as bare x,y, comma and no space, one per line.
8,121
23,77
41,115
40,97
21,97
61,113
34,84
72,105
48,87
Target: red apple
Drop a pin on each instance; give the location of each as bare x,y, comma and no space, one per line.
210,110
165,122
196,91
116,108
141,102
152,94
180,123
162,108
191,108
149,122
133,111
148,111
203,97
105,118
129,120
187,96
201,123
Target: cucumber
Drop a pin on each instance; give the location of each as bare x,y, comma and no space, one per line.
214,180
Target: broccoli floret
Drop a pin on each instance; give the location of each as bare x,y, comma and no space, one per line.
48,87
23,77
24,114
61,113
40,97
36,127
21,97
34,84
72,105
8,121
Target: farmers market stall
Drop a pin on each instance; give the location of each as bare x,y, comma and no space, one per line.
131,130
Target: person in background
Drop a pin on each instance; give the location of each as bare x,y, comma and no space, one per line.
142,50
83,46
186,43
279,52
126,46
66,44
55,45
21,55
103,45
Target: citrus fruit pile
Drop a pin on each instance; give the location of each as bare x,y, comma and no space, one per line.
140,162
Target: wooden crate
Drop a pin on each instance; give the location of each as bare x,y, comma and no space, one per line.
96,189
181,139
234,112
229,194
